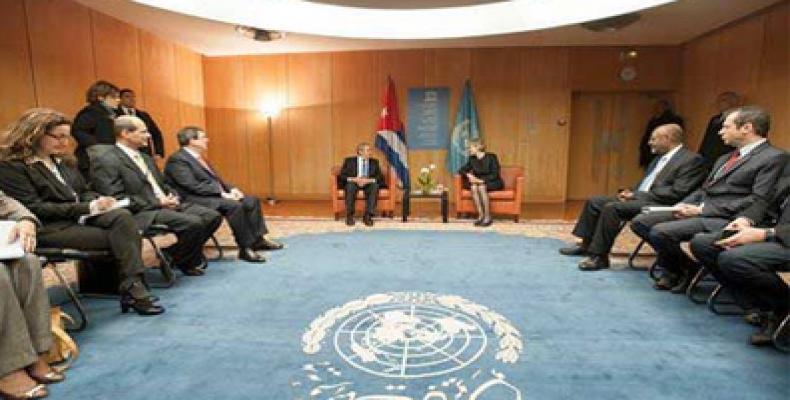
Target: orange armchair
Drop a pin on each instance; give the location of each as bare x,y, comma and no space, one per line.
506,201
386,199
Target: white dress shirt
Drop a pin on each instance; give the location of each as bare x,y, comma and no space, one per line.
662,162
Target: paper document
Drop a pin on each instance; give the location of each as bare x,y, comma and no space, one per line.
649,209
118,204
9,251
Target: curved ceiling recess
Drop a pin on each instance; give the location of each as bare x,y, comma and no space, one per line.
429,19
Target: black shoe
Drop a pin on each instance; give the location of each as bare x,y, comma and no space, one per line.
478,222
350,220
666,282
249,255
764,336
576,250
486,224
367,220
192,271
141,305
681,286
594,263
266,244
753,318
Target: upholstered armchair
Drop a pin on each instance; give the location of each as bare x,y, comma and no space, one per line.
386,199
504,202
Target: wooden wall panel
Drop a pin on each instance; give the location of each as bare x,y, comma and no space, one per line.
495,78
189,84
356,101
117,52
226,122
598,68
61,45
265,85
543,141
749,57
16,72
159,84
310,121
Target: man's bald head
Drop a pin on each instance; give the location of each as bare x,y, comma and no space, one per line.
131,131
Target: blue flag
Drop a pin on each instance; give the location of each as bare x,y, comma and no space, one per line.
465,128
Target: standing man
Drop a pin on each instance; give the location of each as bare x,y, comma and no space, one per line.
361,172
738,180
663,114
93,125
125,172
156,145
669,178
188,171
712,146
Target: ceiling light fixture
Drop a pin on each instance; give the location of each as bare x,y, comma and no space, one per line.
261,35
611,24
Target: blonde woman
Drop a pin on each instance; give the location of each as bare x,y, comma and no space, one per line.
481,175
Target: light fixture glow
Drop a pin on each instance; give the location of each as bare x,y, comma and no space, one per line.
270,108
435,23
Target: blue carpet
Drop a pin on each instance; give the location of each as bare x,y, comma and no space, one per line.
237,333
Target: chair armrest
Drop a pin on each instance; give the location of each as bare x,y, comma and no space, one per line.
457,188
519,188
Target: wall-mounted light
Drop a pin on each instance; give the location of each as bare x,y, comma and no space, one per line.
270,108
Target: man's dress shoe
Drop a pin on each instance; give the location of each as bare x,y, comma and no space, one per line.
594,263
573,251
250,255
367,220
266,244
350,220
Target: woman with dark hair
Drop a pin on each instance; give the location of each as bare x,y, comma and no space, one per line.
94,123
481,175
38,171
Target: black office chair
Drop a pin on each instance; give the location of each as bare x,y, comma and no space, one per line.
165,263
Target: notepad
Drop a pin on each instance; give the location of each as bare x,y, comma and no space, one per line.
118,204
652,209
13,250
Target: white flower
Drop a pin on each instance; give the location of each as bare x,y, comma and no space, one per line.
424,170
433,166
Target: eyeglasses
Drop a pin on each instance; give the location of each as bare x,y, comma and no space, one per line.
59,137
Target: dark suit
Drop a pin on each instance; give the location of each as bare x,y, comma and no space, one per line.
115,174
349,170
199,185
59,206
724,195
749,271
92,125
153,129
712,147
602,217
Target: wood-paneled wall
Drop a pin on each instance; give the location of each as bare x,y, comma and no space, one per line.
749,57
52,50
331,102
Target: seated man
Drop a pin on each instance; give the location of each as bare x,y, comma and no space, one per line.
669,178
25,332
361,172
738,180
124,172
190,174
746,262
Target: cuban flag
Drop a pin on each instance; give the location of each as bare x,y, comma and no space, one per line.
390,139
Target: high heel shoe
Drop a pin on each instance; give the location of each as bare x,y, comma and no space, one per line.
142,306
48,379
37,392
487,223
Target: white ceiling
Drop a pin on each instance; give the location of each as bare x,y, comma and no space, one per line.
670,24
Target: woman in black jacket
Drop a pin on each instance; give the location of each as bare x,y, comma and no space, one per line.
36,170
481,175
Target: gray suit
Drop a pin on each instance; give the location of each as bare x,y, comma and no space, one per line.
24,306
724,195
115,174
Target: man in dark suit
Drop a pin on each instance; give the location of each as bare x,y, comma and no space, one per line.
197,182
156,146
361,172
123,171
93,124
737,181
712,146
747,262
669,178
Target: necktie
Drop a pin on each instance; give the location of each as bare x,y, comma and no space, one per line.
208,168
365,167
148,175
648,181
728,165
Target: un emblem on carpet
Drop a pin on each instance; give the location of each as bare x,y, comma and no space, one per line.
417,342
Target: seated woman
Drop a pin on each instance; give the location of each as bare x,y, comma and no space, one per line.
25,333
38,171
481,175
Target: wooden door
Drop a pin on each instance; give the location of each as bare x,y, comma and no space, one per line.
606,129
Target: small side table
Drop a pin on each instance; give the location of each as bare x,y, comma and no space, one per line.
442,196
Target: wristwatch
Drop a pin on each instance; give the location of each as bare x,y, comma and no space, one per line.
770,235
